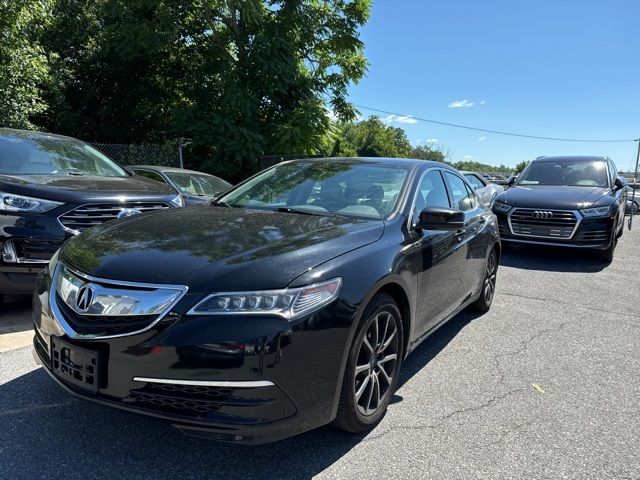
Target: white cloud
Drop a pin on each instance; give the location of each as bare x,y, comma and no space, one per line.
483,138
431,141
399,119
468,157
461,104
482,102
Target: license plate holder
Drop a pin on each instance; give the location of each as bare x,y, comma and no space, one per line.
75,365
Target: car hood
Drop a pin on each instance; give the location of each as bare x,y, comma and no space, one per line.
562,198
213,249
74,187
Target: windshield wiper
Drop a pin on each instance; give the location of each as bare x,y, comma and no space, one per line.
304,212
218,203
75,171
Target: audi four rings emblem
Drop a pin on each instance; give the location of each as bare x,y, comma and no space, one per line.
84,298
542,214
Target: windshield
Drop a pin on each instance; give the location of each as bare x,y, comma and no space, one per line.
198,184
346,187
575,173
42,155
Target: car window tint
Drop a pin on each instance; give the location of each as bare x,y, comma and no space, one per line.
463,197
473,180
149,174
431,193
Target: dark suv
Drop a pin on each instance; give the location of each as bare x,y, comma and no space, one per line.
53,187
564,201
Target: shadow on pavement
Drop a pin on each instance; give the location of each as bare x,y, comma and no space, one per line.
47,433
15,316
552,259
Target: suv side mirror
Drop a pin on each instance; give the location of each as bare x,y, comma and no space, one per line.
511,181
619,183
440,218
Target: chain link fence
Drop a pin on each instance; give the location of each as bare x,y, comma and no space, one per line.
165,155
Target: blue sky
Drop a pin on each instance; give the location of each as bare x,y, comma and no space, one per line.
563,68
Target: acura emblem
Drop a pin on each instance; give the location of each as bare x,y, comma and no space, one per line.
84,298
128,212
542,214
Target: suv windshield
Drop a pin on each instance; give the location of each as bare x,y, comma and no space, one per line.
198,184
49,155
346,187
576,173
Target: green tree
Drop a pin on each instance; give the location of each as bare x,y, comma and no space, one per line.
520,166
23,61
371,138
426,152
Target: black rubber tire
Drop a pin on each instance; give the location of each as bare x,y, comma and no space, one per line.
484,301
608,254
348,417
621,231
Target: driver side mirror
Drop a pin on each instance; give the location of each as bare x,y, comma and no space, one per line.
619,183
440,218
512,180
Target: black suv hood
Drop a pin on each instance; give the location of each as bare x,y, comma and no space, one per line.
551,197
75,188
213,249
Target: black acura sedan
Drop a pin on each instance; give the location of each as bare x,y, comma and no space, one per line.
287,304
53,187
571,201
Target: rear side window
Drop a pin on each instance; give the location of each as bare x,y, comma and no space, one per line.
463,198
150,174
431,193
474,180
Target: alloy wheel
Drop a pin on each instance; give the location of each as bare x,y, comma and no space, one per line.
376,364
490,277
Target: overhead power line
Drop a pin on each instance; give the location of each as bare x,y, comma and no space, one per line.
498,132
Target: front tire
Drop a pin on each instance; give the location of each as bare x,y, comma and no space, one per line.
372,368
483,304
608,254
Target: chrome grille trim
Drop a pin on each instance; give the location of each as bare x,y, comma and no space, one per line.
207,383
68,329
563,226
92,214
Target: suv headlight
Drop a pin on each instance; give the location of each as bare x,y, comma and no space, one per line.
178,200
20,203
500,207
596,212
289,303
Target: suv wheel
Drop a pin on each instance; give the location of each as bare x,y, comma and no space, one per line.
372,368
607,255
483,304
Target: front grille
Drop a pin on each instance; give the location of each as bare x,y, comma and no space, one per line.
193,401
88,216
34,250
561,224
102,325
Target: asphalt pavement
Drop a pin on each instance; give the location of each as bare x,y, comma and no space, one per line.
545,385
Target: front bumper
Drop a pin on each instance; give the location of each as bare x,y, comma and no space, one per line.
245,380
591,233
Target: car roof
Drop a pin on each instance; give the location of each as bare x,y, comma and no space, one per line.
579,158
159,168
32,134
406,162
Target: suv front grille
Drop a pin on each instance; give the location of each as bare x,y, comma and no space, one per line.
559,224
87,216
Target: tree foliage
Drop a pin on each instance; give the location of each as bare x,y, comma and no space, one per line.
23,62
520,166
240,78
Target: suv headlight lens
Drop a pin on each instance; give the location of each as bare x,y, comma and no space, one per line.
20,203
178,200
596,212
500,207
289,303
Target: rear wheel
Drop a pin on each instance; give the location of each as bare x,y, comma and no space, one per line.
483,304
372,368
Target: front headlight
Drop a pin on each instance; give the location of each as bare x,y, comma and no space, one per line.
20,203
596,212
500,207
178,200
289,303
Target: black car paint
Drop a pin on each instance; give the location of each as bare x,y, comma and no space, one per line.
44,229
431,274
567,198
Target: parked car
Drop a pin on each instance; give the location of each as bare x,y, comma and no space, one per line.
486,191
633,200
54,187
565,201
287,304
495,178
196,187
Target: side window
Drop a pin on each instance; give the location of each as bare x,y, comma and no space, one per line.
463,198
431,193
474,180
150,174
614,171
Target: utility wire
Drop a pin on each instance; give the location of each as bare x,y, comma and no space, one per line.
511,134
